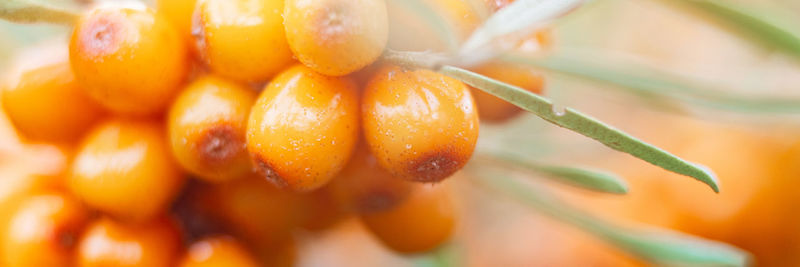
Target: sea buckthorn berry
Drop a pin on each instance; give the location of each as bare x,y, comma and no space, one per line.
124,168
253,209
419,124
219,251
494,109
47,104
207,124
109,243
364,186
242,39
319,210
179,13
421,223
409,32
303,128
43,231
130,60
336,37
283,254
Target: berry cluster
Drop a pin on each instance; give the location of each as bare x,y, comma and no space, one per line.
236,93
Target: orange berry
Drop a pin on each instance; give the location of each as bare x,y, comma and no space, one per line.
131,61
283,254
242,39
319,210
47,104
419,124
421,223
124,168
220,251
110,243
336,37
364,186
43,231
494,109
408,30
303,128
253,209
207,124
179,13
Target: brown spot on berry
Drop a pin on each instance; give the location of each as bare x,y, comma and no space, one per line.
265,169
436,166
378,200
220,144
103,34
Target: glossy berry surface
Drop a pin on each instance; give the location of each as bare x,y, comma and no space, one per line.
303,128
131,61
109,243
420,125
218,251
206,126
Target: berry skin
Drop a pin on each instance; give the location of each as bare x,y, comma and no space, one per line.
243,40
420,224
319,210
253,209
131,61
179,13
109,243
220,251
419,124
494,109
303,128
364,186
43,231
207,124
336,37
47,104
124,168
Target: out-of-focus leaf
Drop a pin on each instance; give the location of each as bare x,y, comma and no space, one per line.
594,180
33,11
445,256
765,28
432,19
658,246
641,79
521,15
585,125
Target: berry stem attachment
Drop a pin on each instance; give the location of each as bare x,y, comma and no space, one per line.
585,125
29,11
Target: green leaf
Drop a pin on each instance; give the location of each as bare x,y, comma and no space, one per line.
34,11
433,19
445,256
520,15
641,79
766,28
658,246
594,180
585,125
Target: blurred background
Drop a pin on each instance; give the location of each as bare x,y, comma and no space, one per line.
755,153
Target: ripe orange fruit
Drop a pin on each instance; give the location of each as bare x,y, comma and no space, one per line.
207,124
336,37
43,231
303,128
131,61
242,39
419,124
110,243
364,186
421,223
494,109
319,210
179,13
47,104
124,168
253,209
218,251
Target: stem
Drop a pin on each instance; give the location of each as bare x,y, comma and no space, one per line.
28,11
416,60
